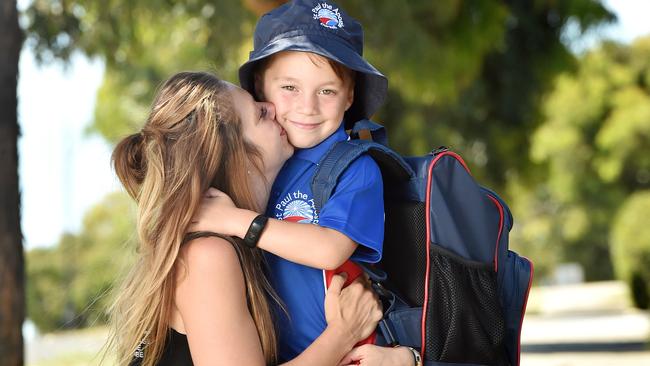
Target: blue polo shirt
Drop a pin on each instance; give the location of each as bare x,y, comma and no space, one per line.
356,209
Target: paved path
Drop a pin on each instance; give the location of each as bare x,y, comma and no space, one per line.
595,339
591,324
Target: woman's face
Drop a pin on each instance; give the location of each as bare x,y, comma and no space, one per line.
261,129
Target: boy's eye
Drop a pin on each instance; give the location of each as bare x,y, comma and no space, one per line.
289,87
328,92
263,112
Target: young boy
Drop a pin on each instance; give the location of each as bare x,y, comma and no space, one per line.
307,62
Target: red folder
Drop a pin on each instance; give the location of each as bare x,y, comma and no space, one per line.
353,272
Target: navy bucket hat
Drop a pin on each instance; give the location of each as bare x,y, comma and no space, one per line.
320,27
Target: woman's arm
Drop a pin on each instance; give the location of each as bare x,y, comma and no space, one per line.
309,245
352,315
211,299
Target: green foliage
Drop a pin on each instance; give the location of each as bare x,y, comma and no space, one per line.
631,246
430,51
595,145
461,73
473,75
68,285
143,42
639,290
45,284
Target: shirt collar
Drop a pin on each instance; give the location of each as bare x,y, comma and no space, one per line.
314,154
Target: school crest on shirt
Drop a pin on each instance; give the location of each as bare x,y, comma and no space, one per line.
297,207
327,16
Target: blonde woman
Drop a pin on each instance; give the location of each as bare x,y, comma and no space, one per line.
202,298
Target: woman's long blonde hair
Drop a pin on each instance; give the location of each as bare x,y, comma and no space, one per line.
192,140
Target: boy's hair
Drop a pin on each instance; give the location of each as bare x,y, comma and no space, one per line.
347,75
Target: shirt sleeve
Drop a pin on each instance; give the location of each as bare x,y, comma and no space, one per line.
356,209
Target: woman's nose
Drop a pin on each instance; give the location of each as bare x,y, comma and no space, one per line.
270,110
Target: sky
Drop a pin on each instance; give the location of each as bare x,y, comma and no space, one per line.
64,171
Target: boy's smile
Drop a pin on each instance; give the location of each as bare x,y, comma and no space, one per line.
310,98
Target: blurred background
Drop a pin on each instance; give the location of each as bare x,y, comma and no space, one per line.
548,101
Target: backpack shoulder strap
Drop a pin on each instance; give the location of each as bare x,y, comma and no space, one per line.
377,132
342,154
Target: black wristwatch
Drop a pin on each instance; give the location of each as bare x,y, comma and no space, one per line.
255,231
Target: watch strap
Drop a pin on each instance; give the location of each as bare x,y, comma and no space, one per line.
255,231
416,356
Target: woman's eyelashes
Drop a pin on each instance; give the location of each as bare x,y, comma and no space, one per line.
263,112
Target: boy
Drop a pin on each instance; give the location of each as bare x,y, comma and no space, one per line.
307,62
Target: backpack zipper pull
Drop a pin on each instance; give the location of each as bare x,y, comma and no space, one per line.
438,150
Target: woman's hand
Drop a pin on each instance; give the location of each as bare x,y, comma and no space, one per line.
217,213
371,355
354,310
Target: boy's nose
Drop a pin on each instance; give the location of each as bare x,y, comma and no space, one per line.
308,104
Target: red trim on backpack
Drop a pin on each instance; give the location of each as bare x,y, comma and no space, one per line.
496,251
428,218
496,248
426,273
523,309
455,156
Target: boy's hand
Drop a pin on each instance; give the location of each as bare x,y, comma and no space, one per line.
217,213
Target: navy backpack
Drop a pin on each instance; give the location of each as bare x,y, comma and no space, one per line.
452,288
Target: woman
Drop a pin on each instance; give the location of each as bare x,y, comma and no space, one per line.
203,297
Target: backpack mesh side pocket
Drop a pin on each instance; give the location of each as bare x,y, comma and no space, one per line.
405,239
464,321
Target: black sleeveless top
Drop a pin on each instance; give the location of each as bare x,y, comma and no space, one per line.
175,353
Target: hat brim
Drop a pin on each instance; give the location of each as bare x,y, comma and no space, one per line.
370,85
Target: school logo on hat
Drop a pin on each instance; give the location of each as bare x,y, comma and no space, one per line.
328,16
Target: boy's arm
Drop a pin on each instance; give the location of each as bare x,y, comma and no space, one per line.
356,209
309,245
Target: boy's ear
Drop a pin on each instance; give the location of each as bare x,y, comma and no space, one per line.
350,98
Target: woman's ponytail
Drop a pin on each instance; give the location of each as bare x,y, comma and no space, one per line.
129,163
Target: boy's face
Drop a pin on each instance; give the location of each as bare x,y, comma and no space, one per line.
309,98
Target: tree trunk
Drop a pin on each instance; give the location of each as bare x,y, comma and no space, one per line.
259,7
12,269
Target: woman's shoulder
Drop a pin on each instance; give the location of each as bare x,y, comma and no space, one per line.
208,276
209,272
212,254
